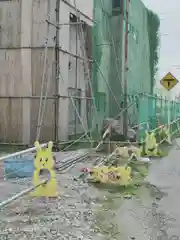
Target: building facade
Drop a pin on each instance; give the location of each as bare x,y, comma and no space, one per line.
26,28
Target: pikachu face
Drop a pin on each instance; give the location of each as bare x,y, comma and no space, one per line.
44,157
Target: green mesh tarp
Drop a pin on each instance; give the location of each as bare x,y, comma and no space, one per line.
139,77
101,57
108,66
109,51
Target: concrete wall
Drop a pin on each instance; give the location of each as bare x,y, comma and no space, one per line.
23,32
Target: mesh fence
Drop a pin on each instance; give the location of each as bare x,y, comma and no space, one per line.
156,111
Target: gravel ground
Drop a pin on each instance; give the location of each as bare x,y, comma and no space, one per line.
70,216
84,212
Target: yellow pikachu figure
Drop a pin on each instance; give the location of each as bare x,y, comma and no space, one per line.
151,147
44,161
114,175
97,173
124,174
102,174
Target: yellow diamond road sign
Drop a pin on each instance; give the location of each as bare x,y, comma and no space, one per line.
169,81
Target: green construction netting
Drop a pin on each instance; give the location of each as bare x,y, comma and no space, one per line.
108,56
108,67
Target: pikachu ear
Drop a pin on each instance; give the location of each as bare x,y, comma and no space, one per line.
37,145
50,145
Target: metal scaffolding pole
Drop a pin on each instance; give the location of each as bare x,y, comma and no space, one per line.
16,154
57,72
21,194
125,117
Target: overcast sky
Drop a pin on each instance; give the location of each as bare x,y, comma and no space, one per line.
169,13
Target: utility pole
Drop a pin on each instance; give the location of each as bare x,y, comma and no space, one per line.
125,116
56,112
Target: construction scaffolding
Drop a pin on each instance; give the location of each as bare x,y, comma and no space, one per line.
58,79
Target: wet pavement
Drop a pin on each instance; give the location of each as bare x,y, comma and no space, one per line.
154,212
83,211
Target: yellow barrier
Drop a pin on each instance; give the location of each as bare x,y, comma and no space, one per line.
151,144
150,147
114,175
44,161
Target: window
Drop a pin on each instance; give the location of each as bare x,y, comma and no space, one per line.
117,7
116,3
73,18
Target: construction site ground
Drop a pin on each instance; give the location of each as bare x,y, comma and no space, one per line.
83,211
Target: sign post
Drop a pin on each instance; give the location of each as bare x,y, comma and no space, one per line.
169,116
169,82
